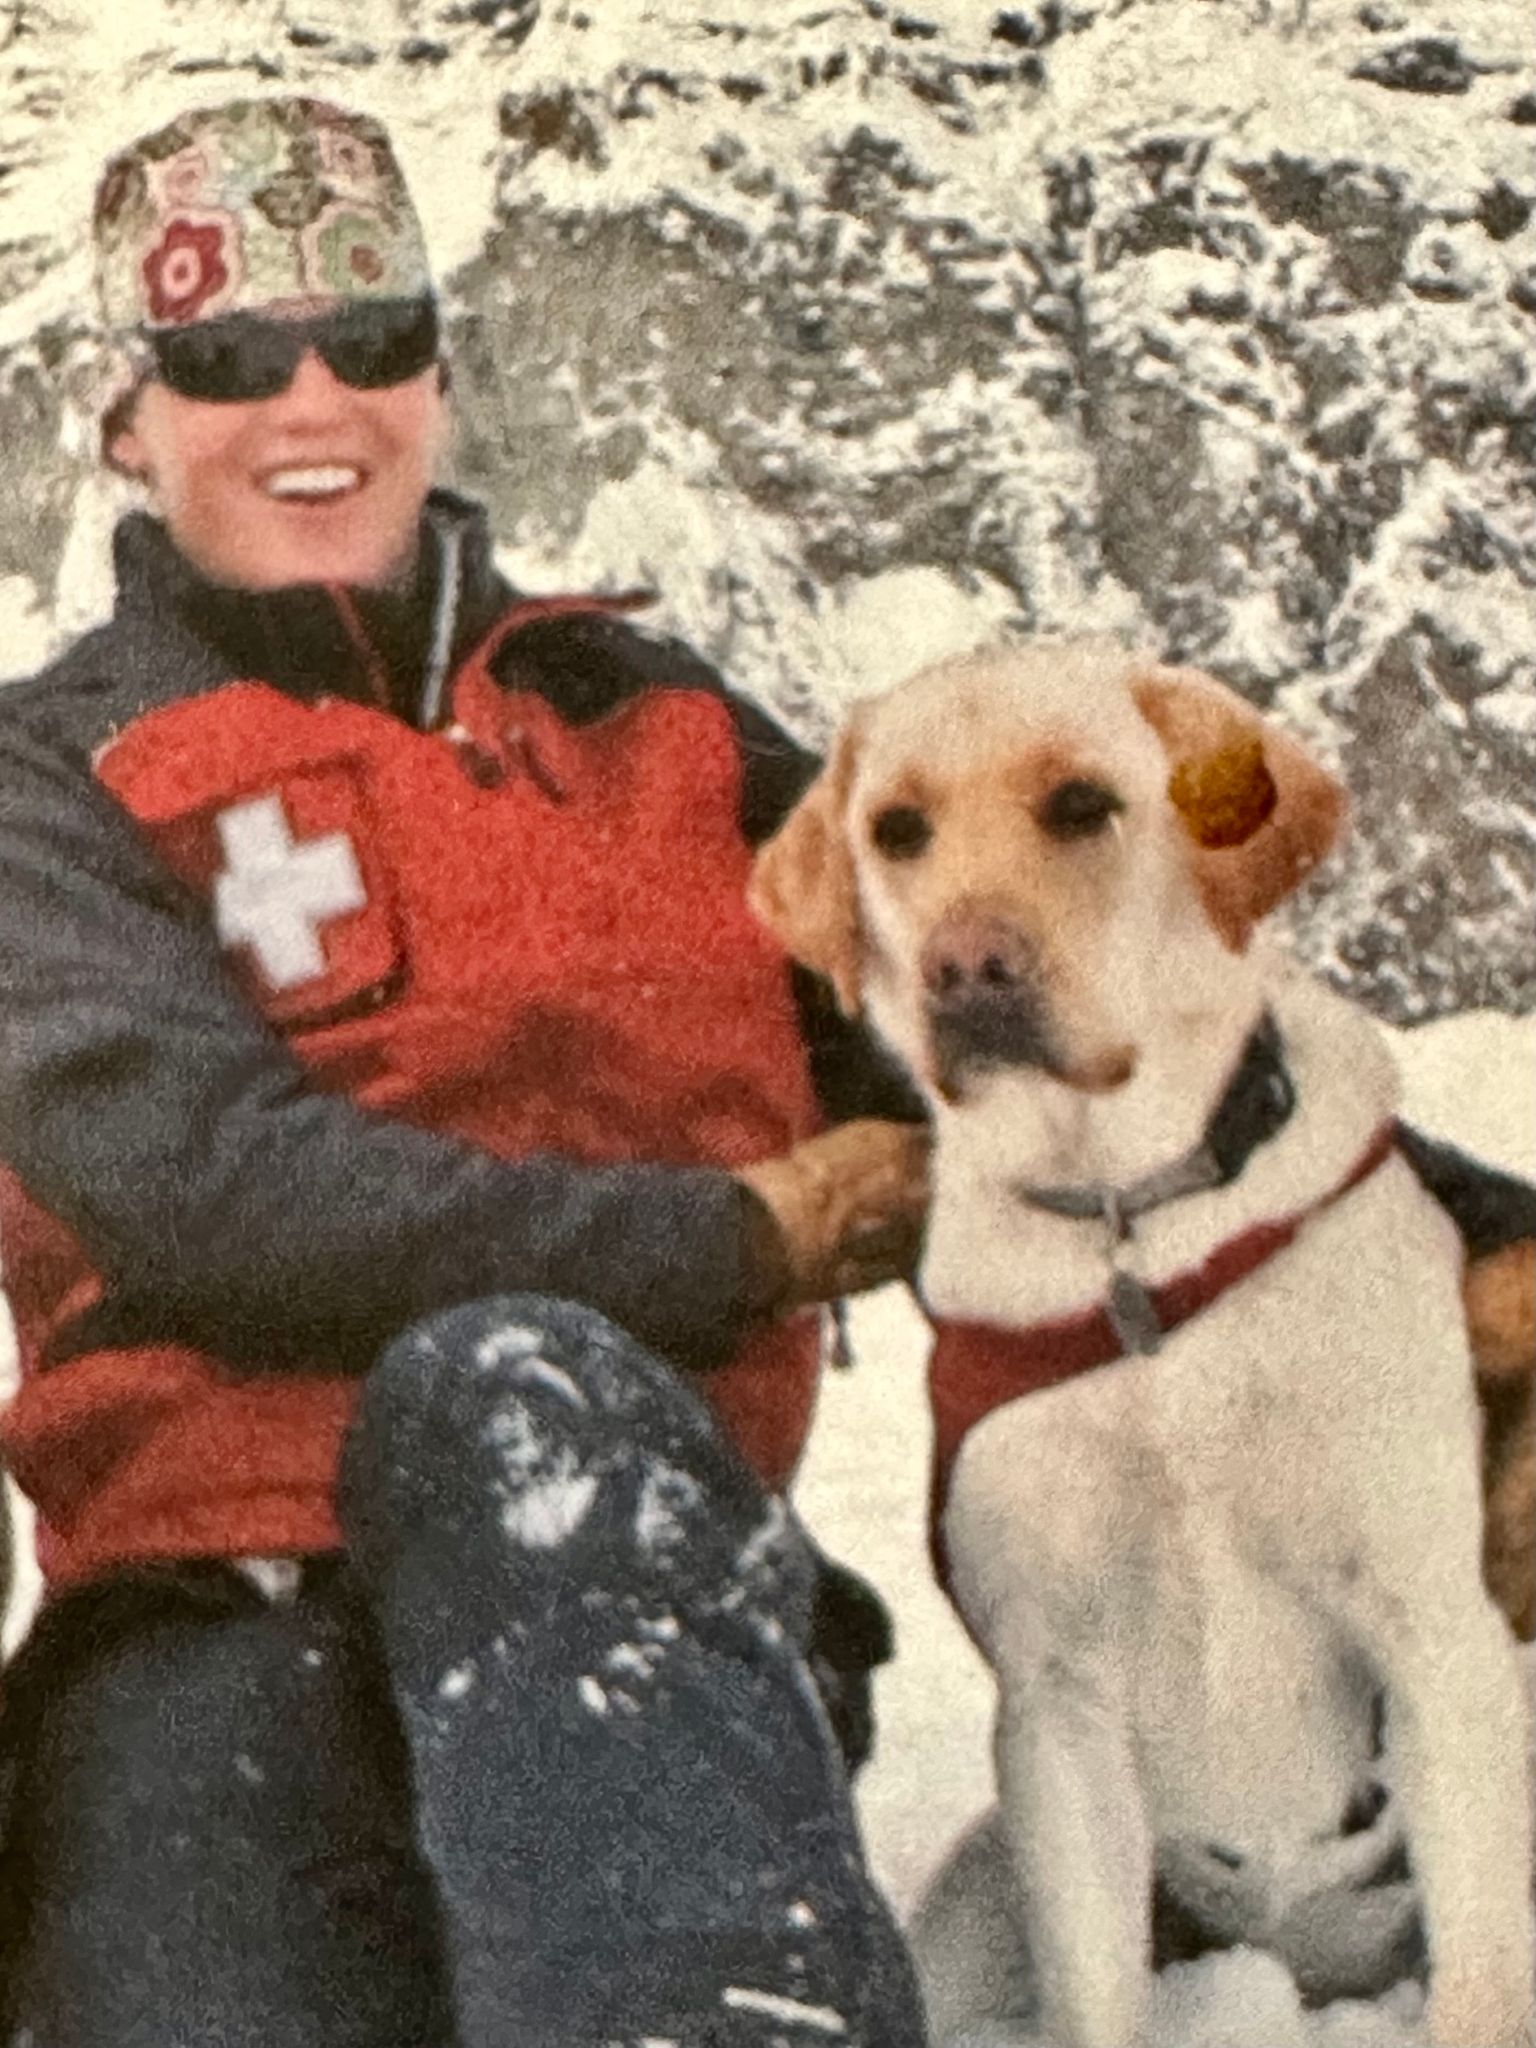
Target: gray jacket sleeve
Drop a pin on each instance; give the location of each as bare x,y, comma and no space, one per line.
229,1204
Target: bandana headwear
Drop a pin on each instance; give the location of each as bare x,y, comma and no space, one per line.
229,209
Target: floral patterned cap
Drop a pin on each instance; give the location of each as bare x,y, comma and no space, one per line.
231,208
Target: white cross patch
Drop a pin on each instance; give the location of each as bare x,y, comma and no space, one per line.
276,892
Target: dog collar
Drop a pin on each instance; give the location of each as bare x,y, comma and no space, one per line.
1255,1106
977,1366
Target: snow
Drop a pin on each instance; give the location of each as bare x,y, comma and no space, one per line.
634,1660
507,1341
666,1495
1246,2000
938,617
28,631
543,1514
545,1495
456,1683
817,2019
767,304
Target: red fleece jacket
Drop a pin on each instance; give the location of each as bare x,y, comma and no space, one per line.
524,933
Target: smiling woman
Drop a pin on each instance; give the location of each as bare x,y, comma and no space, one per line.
408,1229
286,436
321,482
281,397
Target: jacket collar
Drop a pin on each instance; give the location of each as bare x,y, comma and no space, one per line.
371,646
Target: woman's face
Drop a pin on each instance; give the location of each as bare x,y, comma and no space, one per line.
322,483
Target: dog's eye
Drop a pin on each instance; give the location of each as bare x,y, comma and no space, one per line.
901,831
1077,809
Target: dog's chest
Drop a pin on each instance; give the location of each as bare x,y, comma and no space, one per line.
1336,1365
1202,1517
988,1258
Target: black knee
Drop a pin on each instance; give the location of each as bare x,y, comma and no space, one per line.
534,1427
530,1376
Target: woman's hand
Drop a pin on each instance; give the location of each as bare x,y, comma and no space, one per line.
845,1211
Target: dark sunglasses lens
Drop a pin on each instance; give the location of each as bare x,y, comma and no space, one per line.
372,346
227,360
243,357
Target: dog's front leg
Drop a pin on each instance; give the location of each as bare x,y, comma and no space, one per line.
1456,1728
1081,1848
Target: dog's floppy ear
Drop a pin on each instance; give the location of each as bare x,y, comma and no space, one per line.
1259,811
802,884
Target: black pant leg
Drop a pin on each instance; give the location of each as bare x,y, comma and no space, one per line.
211,1844
628,1790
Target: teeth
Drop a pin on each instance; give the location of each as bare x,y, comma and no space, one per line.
313,483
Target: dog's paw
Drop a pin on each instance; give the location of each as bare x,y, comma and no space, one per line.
1226,2001
1352,1944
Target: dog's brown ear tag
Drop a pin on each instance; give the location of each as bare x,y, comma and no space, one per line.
1225,797
1257,811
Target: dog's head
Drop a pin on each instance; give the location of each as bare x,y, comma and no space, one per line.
1030,857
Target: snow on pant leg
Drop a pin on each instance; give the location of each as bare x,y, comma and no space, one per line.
593,1615
210,1844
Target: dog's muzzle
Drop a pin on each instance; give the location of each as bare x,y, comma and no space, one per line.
982,997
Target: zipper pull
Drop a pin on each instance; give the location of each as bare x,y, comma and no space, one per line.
525,757
478,763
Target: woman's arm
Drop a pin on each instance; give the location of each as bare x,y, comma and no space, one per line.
229,1204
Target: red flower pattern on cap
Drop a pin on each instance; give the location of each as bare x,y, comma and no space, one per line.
214,212
185,269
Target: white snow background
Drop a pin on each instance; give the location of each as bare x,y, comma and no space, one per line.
75,80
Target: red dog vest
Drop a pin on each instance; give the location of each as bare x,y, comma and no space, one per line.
529,935
977,1367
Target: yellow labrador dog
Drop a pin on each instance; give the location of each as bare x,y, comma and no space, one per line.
1207,1435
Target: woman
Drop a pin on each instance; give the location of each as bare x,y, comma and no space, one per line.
405,1127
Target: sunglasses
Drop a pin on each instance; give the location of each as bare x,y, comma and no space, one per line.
368,344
